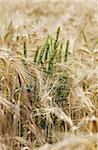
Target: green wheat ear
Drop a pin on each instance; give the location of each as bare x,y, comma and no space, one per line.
24,53
42,51
25,49
51,56
36,54
47,48
66,51
56,42
60,52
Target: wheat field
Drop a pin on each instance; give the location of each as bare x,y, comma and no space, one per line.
48,75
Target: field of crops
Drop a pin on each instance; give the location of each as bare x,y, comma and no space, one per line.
48,75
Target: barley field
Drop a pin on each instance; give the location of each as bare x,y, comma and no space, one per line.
48,75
